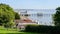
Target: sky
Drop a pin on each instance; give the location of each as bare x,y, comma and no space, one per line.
32,4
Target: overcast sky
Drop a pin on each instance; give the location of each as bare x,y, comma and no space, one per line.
32,4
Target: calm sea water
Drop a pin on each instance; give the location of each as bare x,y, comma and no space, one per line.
45,19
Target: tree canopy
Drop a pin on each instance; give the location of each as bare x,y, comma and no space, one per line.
6,14
17,16
56,17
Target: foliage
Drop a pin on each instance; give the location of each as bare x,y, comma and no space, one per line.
17,16
6,14
43,29
9,25
56,17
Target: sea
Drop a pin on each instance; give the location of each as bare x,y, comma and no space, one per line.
42,16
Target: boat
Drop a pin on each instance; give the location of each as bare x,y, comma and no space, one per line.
39,14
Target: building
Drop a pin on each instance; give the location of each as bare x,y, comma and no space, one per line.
21,24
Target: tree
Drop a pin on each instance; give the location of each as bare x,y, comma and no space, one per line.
17,16
56,17
7,14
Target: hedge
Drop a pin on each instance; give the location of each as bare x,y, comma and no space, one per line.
43,29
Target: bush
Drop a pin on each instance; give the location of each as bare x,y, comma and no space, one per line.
9,25
42,29
31,28
55,30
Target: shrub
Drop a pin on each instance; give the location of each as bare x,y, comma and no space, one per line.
55,30
30,28
42,29
9,25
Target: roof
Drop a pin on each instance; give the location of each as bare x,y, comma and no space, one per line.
24,21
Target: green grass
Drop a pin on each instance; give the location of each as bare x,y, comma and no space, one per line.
13,31
7,30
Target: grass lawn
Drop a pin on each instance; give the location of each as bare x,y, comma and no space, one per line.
13,31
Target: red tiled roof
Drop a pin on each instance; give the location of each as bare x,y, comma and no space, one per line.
24,21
